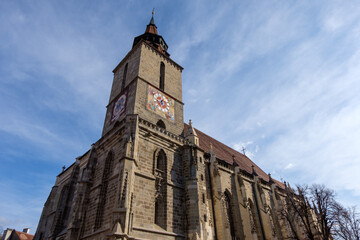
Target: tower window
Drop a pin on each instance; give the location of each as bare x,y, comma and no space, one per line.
160,190
157,212
162,76
124,77
161,124
161,161
103,191
203,198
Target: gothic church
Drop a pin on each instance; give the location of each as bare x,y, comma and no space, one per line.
150,176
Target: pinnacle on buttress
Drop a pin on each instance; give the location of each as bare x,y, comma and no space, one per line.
191,135
235,164
271,181
253,170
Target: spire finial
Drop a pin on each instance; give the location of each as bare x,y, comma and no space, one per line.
190,123
152,21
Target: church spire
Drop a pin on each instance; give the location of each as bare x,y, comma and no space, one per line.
152,37
152,21
151,27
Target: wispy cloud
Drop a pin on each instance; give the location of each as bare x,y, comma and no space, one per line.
287,78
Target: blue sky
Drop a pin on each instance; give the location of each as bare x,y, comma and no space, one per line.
281,78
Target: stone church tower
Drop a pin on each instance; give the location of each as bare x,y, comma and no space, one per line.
150,176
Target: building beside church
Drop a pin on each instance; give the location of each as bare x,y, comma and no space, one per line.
150,176
12,234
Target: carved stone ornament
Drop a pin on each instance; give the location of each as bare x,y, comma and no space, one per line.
216,170
123,193
252,220
272,224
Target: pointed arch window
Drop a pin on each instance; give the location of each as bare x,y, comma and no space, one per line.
162,76
252,217
63,211
161,124
160,211
229,214
161,161
103,191
124,77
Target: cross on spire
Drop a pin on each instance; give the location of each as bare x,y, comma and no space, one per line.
243,150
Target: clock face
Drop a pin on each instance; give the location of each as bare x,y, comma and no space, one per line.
161,102
119,107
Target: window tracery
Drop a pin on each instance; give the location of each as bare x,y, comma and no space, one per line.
229,214
160,211
124,77
162,76
103,191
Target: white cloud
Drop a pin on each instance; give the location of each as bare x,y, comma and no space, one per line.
290,165
288,80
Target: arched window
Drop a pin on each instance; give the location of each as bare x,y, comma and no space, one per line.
61,209
252,217
103,191
229,215
272,223
160,211
162,76
161,161
124,77
157,212
161,124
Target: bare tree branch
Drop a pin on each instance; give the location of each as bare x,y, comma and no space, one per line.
347,223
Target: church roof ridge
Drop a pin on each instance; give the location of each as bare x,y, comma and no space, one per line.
229,154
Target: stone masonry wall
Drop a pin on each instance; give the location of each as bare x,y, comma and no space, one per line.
149,70
144,189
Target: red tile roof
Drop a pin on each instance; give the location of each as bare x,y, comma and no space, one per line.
23,236
228,155
151,29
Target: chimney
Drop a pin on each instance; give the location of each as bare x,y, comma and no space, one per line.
26,230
